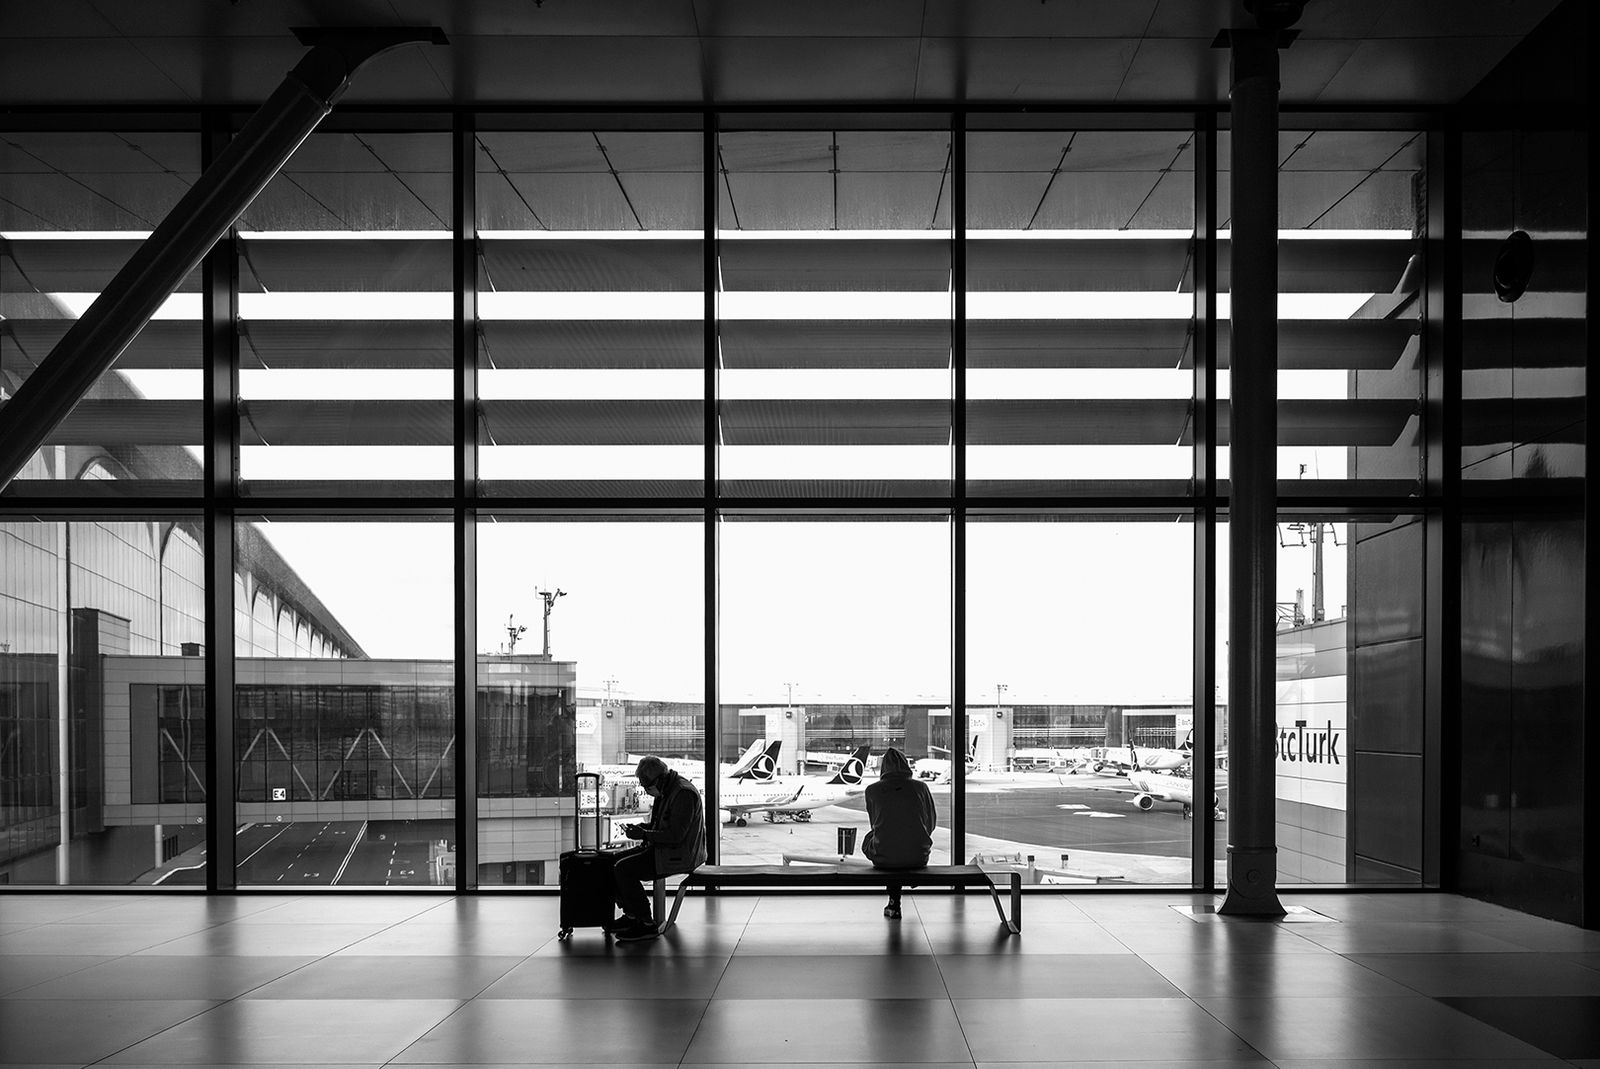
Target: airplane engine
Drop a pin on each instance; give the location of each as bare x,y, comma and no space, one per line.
1144,802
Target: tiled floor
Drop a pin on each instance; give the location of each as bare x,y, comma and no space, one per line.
1390,981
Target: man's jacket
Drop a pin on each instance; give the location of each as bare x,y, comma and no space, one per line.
677,828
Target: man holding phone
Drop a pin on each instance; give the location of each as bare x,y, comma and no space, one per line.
673,841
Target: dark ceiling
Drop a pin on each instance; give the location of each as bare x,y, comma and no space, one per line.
540,52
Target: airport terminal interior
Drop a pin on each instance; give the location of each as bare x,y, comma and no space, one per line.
1162,422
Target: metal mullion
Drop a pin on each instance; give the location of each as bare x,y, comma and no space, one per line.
220,468
1202,763
958,487
1441,647
464,262
712,620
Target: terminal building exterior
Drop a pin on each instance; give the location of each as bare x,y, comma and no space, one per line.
996,314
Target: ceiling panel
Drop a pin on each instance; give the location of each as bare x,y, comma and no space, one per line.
1395,52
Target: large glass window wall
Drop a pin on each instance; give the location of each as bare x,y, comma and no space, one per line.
802,434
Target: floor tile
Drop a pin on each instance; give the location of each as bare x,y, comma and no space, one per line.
1168,1063
636,976
265,939
820,909
416,939
1266,975
561,1032
1410,1027
150,977
18,972
682,941
885,938
105,940
1231,936
345,909
291,1032
1484,974
1385,937
748,1032
52,1030
835,976
351,977
1111,1029
1546,1062
1567,1026
991,938
1052,976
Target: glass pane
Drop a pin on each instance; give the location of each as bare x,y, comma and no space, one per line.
345,709
834,312
112,614
1080,703
591,280
592,636
1080,311
1350,699
345,318
73,208
834,641
1352,223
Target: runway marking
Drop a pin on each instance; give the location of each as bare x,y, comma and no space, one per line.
1072,805
1102,816
355,841
266,844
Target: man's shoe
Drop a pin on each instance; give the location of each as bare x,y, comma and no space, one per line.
892,911
637,931
618,924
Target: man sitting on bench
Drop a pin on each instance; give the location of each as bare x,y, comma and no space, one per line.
900,809
673,841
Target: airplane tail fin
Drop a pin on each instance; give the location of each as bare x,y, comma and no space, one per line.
853,769
748,758
764,768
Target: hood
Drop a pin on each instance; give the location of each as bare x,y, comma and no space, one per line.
894,765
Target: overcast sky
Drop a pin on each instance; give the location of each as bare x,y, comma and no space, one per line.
1057,612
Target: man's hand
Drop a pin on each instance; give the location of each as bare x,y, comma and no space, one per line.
633,831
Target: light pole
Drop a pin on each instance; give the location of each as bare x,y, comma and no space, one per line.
999,689
549,603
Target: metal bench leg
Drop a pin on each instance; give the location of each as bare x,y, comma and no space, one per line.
1013,923
660,898
677,901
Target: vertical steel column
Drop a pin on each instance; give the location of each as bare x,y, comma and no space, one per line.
464,271
958,487
711,155
220,465
1252,580
1441,643
1201,763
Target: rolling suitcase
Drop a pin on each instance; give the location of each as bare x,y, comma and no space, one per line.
586,883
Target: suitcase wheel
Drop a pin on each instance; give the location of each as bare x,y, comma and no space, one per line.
564,933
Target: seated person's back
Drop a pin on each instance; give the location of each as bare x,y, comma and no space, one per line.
900,808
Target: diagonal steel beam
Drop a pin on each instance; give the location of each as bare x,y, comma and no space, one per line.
177,245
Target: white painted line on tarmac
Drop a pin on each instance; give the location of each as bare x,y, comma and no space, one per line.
355,841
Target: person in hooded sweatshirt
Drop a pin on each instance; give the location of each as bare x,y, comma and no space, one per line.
900,808
673,841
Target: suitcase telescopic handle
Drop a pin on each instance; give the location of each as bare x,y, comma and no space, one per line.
577,822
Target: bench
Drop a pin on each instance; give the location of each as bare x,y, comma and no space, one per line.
843,875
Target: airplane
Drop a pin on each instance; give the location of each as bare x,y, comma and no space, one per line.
1148,788
937,769
814,792
1152,759
691,769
